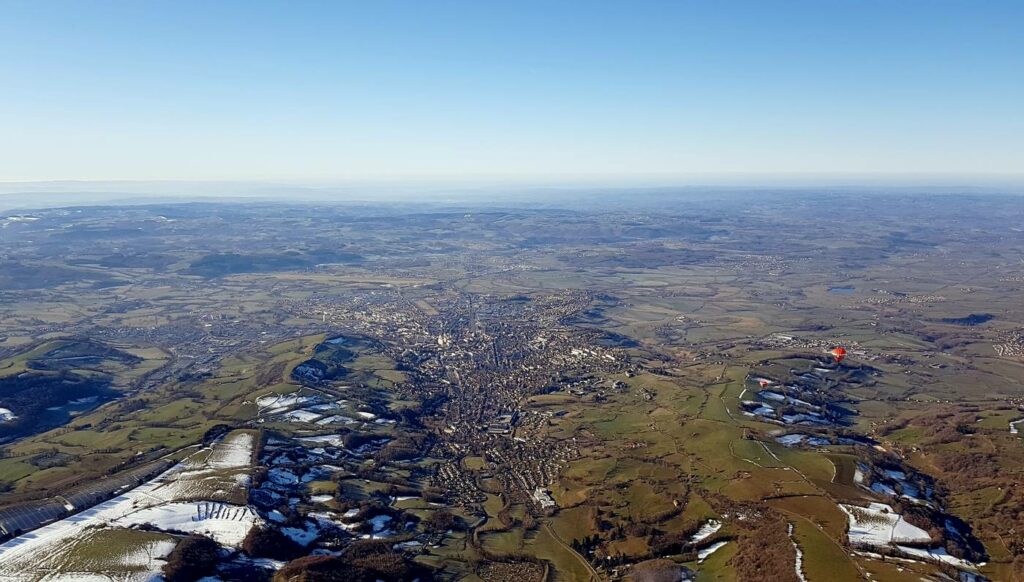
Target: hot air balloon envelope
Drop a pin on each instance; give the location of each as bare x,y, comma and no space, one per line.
839,353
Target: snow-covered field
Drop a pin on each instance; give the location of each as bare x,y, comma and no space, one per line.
337,419
104,560
304,536
282,477
302,415
878,525
313,409
55,551
273,403
938,555
334,440
232,453
710,527
706,552
219,473
225,523
790,440
794,439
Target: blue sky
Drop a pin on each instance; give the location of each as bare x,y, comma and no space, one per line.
311,91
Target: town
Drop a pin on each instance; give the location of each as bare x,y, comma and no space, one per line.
624,399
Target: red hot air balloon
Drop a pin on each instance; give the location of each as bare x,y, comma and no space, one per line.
763,383
839,353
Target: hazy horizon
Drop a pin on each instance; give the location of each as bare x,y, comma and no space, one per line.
16,196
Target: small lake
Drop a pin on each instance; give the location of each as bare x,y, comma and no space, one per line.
842,290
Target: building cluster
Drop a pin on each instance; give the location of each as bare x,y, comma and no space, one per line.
1012,346
482,358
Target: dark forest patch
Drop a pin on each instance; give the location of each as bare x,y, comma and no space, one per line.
326,364
17,276
78,355
970,320
223,264
41,400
